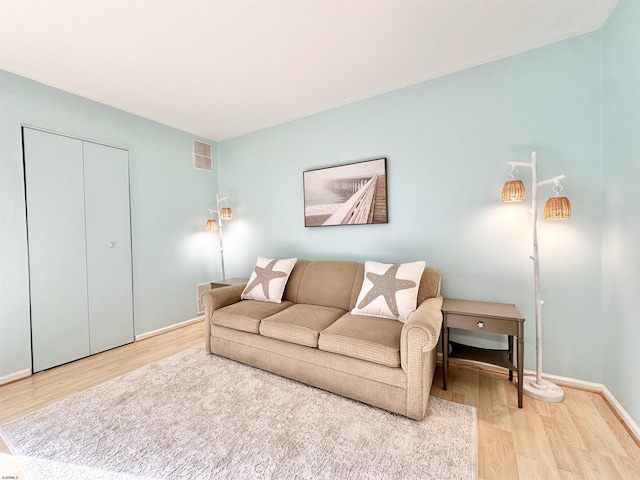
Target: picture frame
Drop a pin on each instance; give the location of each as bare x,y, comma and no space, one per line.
347,194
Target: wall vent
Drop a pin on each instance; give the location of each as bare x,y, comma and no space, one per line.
200,289
202,156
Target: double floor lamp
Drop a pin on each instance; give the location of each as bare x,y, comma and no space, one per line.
223,213
557,207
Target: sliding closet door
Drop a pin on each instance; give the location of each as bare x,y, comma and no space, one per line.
106,174
57,253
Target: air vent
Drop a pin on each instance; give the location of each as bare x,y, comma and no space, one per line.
200,289
201,156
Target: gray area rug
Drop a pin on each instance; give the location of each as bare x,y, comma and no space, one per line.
199,416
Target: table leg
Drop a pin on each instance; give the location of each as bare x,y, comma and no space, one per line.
520,367
510,342
445,354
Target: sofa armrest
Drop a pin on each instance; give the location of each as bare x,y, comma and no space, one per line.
422,329
214,299
221,297
418,346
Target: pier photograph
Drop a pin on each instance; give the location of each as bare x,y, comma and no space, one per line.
350,194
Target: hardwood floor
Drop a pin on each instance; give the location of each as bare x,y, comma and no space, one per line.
580,438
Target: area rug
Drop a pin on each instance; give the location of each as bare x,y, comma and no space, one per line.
199,416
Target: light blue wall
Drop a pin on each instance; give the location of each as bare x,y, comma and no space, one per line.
169,202
621,174
447,142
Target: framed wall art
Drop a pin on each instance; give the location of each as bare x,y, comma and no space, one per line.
349,194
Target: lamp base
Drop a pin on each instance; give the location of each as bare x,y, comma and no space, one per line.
544,391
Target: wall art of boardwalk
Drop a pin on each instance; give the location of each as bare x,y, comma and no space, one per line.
350,194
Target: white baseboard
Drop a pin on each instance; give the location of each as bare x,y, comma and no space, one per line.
631,425
570,382
625,418
622,413
12,377
153,333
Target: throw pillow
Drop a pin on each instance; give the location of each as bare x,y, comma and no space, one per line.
389,290
268,279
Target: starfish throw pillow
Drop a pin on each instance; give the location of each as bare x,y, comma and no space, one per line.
389,290
268,279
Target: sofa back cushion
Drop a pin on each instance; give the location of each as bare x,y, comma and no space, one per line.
328,283
333,283
429,284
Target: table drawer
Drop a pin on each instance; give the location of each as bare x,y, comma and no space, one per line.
490,325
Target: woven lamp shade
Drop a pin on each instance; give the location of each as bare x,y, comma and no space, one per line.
557,208
212,225
226,214
513,191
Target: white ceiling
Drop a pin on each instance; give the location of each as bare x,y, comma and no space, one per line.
223,68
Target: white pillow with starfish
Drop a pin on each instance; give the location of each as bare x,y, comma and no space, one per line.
268,279
389,290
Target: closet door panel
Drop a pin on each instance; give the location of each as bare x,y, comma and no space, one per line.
57,253
106,182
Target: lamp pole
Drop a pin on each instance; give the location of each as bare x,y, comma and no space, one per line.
218,200
537,387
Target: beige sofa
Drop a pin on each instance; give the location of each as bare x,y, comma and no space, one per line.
311,337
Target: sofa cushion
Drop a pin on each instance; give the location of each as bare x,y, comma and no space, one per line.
323,282
268,279
389,290
246,315
300,323
374,339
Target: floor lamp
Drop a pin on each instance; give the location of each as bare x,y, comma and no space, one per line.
556,208
223,213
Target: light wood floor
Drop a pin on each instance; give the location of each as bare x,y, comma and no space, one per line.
580,438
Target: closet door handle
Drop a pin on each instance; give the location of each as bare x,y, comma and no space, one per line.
111,244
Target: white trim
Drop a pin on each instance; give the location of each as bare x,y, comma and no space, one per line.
12,377
622,413
594,387
54,132
175,326
574,383
625,418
